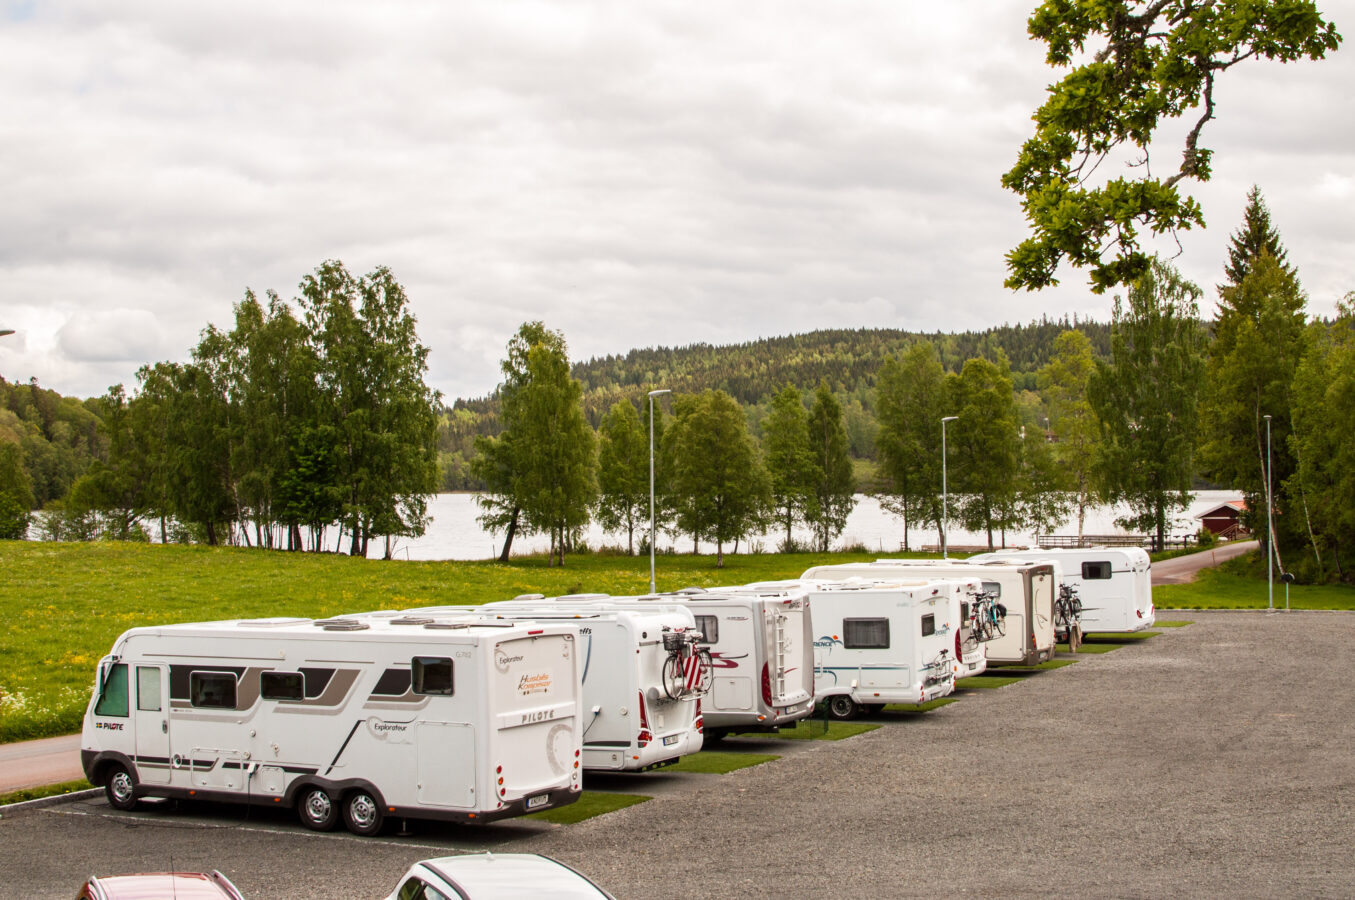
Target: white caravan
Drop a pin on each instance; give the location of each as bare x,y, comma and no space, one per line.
881,642
761,649
1026,589
418,717
642,678
1113,583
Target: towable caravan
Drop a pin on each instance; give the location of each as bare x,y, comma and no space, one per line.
881,642
1026,589
1113,583
414,717
643,678
761,649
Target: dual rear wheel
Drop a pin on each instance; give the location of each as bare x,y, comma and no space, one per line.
319,811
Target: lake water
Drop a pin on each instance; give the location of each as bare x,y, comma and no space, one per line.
454,534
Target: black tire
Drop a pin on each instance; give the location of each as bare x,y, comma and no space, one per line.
316,809
120,787
842,707
362,814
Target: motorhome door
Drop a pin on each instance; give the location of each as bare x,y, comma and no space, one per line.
151,723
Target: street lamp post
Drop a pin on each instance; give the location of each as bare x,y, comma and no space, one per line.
945,513
652,395
1270,532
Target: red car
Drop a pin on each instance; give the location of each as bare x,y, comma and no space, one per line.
161,886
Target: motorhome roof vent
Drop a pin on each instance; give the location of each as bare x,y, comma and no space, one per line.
445,626
691,590
271,623
342,625
530,597
411,620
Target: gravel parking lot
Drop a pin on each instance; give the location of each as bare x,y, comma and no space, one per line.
1213,759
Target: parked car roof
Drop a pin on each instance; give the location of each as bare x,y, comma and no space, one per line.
161,886
503,876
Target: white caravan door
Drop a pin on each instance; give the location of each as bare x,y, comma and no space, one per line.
151,723
446,764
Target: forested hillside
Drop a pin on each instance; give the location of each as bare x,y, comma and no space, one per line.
848,360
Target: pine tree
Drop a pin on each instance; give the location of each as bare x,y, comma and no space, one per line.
1255,237
834,488
790,464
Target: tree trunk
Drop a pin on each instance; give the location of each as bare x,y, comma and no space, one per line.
508,538
719,554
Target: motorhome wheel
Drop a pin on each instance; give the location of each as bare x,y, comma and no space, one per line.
317,810
840,706
120,788
362,814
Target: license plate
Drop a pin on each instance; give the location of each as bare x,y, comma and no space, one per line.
538,800
670,740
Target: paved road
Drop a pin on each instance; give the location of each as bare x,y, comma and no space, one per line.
1182,569
1215,759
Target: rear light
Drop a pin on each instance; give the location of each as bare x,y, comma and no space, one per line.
700,723
645,735
959,655
766,684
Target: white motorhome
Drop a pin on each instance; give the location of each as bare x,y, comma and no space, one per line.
414,717
1113,583
1026,589
761,649
881,642
641,693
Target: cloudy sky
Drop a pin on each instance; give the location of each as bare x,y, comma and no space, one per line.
632,173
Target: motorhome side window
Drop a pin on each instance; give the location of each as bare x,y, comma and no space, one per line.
865,634
282,686
993,588
113,692
928,625
709,626
1096,570
212,690
431,674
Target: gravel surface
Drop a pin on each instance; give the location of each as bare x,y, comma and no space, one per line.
1213,759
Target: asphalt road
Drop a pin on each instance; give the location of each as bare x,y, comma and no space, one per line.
1182,569
1210,760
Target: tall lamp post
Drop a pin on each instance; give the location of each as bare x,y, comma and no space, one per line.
652,395
1270,532
945,513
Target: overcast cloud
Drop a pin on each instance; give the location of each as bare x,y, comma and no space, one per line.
631,173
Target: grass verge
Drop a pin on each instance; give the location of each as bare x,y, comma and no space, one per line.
916,708
815,730
589,804
50,790
1174,623
719,762
986,682
1116,638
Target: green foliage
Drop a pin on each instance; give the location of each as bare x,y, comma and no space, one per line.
985,446
623,472
717,483
790,461
1258,340
911,400
16,493
1146,398
1256,237
1064,381
1132,67
58,436
834,486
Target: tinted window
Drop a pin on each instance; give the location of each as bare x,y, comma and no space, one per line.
709,626
431,674
992,587
113,692
865,634
416,889
148,688
282,686
1095,570
928,625
212,690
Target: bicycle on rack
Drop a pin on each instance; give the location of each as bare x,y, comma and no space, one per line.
688,671
988,618
1067,612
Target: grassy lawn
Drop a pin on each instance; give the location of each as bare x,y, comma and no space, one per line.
986,682
51,790
719,762
917,708
814,730
589,804
1231,587
64,604
1175,623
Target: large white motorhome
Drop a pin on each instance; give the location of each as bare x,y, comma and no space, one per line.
882,641
1026,589
1113,583
642,678
430,717
761,649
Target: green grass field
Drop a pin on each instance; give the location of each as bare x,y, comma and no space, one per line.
589,804
719,762
64,604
